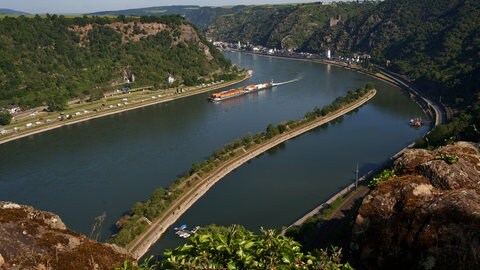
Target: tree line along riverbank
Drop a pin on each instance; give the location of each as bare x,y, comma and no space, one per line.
144,224
38,122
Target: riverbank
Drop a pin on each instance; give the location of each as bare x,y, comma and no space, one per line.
120,103
140,245
439,113
422,101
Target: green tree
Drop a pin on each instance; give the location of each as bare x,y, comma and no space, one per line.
272,131
59,54
96,94
247,139
5,117
57,102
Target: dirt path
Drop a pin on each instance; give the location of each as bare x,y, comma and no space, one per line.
143,242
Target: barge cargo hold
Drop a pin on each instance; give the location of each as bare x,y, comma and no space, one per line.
226,94
219,96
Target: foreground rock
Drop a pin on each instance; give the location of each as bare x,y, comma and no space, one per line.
32,239
428,217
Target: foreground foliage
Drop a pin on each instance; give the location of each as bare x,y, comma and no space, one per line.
382,176
235,247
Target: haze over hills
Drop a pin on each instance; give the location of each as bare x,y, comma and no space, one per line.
201,17
11,11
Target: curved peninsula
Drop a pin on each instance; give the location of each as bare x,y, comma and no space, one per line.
138,233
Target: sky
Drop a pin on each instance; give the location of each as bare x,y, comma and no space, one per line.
86,6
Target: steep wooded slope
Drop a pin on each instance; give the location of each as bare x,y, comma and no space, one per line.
54,57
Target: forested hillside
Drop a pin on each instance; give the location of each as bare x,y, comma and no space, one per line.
47,60
281,26
435,42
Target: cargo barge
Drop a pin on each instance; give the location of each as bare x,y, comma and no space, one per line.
231,93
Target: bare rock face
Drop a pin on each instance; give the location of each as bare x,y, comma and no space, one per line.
184,33
428,217
32,239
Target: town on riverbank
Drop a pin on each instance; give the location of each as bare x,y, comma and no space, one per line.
357,62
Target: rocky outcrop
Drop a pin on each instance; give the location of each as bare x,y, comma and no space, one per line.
32,239
135,31
428,217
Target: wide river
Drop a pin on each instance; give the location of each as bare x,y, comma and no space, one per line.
108,164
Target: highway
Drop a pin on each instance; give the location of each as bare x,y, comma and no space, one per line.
439,111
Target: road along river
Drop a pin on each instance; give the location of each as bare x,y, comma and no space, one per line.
108,164
155,230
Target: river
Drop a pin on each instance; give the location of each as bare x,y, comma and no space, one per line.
107,164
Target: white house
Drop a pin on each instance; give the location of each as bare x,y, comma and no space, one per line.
13,109
170,79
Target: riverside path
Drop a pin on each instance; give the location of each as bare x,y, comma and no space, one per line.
140,245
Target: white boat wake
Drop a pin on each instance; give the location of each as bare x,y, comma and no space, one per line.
291,81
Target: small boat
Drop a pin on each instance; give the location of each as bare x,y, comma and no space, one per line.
194,230
184,235
183,232
181,228
416,122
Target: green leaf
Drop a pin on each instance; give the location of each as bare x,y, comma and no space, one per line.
186,247
231,265
204,238
249,245
222,238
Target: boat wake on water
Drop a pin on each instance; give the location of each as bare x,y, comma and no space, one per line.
290,81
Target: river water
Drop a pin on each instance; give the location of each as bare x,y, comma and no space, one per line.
107,164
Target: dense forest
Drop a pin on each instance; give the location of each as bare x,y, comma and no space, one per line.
434,42
281,26
49,59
